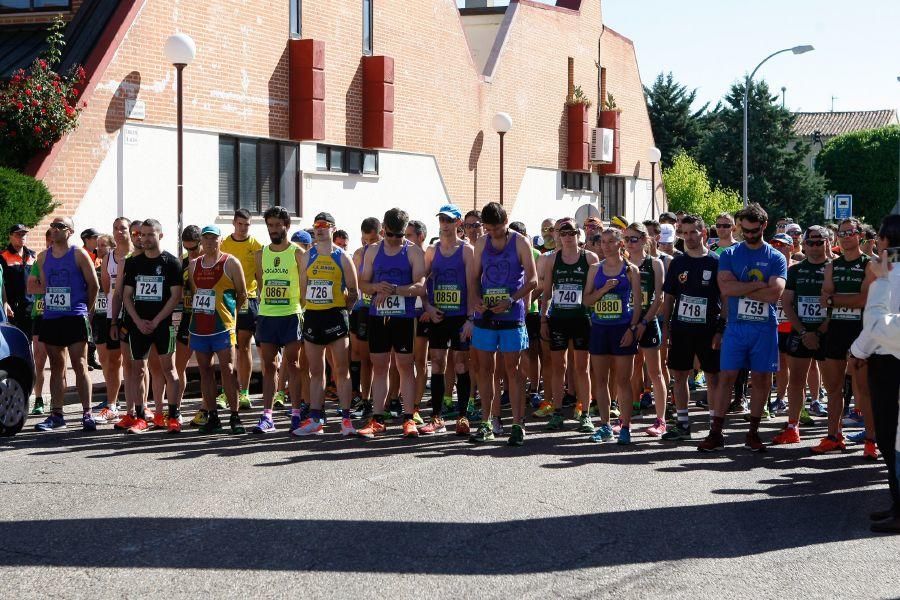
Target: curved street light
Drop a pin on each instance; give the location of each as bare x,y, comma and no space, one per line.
795,50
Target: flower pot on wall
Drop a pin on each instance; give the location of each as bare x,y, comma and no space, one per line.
578,155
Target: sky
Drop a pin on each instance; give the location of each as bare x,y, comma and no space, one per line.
710,44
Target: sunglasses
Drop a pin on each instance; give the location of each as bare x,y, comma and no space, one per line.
474,225
322,225
848,233
391,234
444,219
724,225
60,226
815,243
632,239
568,233
546,229
191,248
748,231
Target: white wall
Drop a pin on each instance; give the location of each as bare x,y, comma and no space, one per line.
540,196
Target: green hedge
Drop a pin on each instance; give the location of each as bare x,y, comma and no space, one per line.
23,199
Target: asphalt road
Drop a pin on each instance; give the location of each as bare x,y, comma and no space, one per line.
110,516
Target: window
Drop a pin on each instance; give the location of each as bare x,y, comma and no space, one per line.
296,18
367,27
346,160
612,196
575,181
11,6
257,175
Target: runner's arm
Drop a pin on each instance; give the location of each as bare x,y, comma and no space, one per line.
36,285
771,292
365,281
89,273
856,300
730,286
237,278
350,280
417,262
473,276
303,280
659,277
527,260
117,301
545,266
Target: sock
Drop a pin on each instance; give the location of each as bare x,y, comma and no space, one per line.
86,413
717,424
355,374
345,413
437,394
754,424
683,420
712,415
407,416
174,411
792,424
267,412
139,411
295,412
315,415
463,392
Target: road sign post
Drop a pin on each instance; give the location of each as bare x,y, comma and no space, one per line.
843,206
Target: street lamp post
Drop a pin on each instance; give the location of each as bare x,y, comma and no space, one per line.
795,50
897,207
180,50
653,156
502,124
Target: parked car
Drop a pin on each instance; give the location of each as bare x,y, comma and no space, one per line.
16,379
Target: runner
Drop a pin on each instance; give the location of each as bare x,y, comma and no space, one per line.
613,289
90,238
360,362
393,274
725,231
692,324
245,248
153,286
565,322
69,284
190,243
795,233
415,233
448,264
806,316
39,350
752,275
783,243
109,412
844,293
280,322
15,262
328,285
341,239
217,289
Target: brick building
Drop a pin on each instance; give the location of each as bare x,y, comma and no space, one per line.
351,106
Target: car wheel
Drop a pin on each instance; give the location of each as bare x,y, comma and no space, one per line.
13,404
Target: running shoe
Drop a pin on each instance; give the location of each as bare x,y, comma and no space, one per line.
677,433
449,410
616,426
712,442
556,422
753,443
805,419
497,426
657,429
244,402
818,409
671,414
858,437
584,424
576,412
436,425
829,444
139,426
854,419
88,423
100,405
778,406
473,413
544,410
614,409
624,436
221,401
604,433
409,429
347,427
265,425
395,407
173,425
308,427
788,435
462,426
646,401
870,451
200,418
702,402
125,422
534,399
504,398
738,405
234,423
363,411
279,399
108,416
699,380
212,425
295,422
371,429
483,434
148,415
569,399
331,392
159,421
516,435
418,420
38,408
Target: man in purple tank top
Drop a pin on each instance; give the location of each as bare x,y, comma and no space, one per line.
69,284
503,277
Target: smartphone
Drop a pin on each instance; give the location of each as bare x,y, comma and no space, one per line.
893,254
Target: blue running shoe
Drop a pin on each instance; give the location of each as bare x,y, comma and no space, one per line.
604,433
295,422
88,423
854,419
51,423
100,406
535,399
857,438
504,398
624,437
646,401
818,409
778,407
265,425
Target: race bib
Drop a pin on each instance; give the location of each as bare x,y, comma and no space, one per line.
844,313
494,296
752,310
608,307
204,302
245,308
58,299
149,288
448,297
275,292
645,299
394,305
320,291
112,292
567,295
809,309
102,302
692,309
39,307
779,313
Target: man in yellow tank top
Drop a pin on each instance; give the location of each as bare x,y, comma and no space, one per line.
328,287
279,323
244,247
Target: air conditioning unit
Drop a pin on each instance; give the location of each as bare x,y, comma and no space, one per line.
601,145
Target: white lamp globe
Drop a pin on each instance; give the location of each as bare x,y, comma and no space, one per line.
180,49
502,122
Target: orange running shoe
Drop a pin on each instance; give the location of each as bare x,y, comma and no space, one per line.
139,426
173,425
148,415
829,444
159,421
125,422
409,429
462,426
788,435
870,451
371,429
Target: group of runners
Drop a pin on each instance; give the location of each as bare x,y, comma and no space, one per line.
602,318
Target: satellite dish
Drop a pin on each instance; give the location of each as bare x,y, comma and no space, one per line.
586,210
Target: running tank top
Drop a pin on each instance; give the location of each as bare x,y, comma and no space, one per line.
502,275
112,269
447,283
568,287
614,307
648,283
66,288
214,305
280,283
325,283
848,276
396,270
364,300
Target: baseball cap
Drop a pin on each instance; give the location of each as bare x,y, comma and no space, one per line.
619,222
90,232
666,234
211,230
667,216
783,238
793,228
17,228
301,237
324,217
566,223
450,210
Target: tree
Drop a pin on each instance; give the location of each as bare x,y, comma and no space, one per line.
23,199
865,164
778,179
676,127
688,188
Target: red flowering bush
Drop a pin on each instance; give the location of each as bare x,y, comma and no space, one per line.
38,106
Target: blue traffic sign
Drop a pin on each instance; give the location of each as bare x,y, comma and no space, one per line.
843,206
